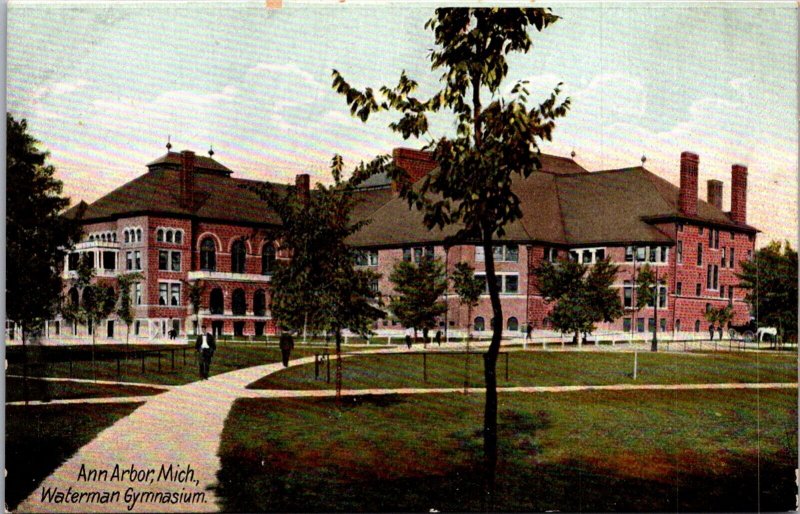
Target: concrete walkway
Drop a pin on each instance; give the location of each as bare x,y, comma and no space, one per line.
182,428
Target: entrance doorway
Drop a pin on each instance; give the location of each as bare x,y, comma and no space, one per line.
238,328
109,328
260,326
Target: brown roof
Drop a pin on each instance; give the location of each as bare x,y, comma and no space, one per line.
560,165
201,163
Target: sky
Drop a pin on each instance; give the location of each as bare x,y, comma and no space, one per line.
102,87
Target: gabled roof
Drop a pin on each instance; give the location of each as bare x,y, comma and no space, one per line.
172,160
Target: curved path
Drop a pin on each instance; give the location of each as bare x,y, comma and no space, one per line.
183,427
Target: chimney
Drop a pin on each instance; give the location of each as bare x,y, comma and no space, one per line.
739,193
303,182
187,179
688,192
415,162
715,193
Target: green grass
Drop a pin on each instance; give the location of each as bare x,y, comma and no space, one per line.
228,357
590,451
542,369
41,438
45,390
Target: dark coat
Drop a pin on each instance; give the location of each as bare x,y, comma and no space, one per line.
211,342
286,342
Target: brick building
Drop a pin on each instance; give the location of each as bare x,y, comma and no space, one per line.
188,221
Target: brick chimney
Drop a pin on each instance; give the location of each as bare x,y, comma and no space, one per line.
303,183
739,193
186,193
715,193
688,192
415,162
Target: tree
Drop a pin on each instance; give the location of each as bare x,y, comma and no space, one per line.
418,288
469,289
647,295
583,296
126,311
719,316
770,279
194,291
37,235
493,146
320,286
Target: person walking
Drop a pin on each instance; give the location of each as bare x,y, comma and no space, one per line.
205,346
287,345
528,330
711,332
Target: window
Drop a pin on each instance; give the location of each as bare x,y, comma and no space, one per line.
708,307
110,260
72,261
238,256
179,237
407,254
653,254
700,231
680,227
367,258
163,293
697,290
137,294
722,291
573,256
586,256
651,324
664,254
629,254
163,257
511,284
175,294
699,254
73,296
679,288
511,253
208,255
722,259
730,293
239,303
733,237
137,260
640,324
697,326
550,254
127,236
168,237
712,277
677,325
513,324
139,235
268,259
160,235
749,255
128,260
731,261
627,294
640,253
373,286
169,260
662,324
216,301
260,303
626,324
599,254
176,261
417,254
662,297
480,324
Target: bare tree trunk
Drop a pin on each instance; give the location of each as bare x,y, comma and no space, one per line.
490,375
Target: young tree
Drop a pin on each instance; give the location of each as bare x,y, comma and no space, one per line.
647,295
37,236
320,287
469,289
418,288
770,279
126,311
719,316
583,296
194,291
494,144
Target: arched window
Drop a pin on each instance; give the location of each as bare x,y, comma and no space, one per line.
73,296
139,235
238,256
208,255
268,259
480,324
91,238
127,236
160,235
513,324
239,303
114,236
169,236
179,237
102,237
260,303
88,297
697,326
216,302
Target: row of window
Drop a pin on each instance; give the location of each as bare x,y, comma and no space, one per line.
367,258
109,237
479,324
169,235
699,288
107,260
132,235
507,283
501,253
587,255
169,260
208,256
627,296
651,254
417,253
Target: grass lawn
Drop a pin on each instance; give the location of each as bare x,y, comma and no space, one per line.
44,390
228,357
40,438
542,369
589,451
